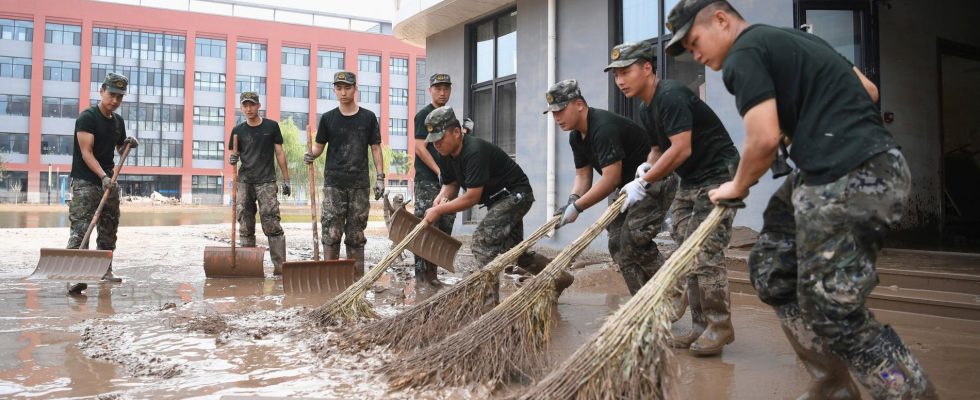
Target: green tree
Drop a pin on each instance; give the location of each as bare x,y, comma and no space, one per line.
3,167
399,161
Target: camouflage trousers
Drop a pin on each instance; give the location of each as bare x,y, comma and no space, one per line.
690,208
344,214
817,251
425,194
502,228
632,233
268,208
85,197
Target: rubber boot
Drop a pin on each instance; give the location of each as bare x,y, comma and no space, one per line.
109,277
719,331
357,254
534,263
889,370
277,251
678,303
698,322
426,272
831,380
331,252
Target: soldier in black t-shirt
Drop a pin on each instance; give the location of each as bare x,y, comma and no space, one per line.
814,260
350,131
491,178
689,141
611,144
427,171
259,143
99,131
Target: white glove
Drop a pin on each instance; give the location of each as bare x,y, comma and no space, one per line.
635,191
641,171
569,215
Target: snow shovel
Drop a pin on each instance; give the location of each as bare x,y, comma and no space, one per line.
316,276
80,264
225,262
432,244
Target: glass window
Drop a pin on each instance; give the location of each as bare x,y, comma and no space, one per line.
13,143
62,145
207,189
507,44
324,90
209,81
295,88
172,117
208,150
398,97
205,47
15,29
420,98
369,94
368,63
160,153
295,56
246,83
300,119
15,67
213,116
15,105
331,59
251,52
398,66
67,71
59,107
421,77
484,51
397,127
63,34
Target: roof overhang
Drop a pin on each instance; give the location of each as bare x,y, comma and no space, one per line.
417,20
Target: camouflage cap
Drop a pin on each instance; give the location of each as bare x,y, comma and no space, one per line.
345,77
438,121
440,78
679,22
559,94
624,55
115,83
249,96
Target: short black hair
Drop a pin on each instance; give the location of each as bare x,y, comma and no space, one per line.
722,5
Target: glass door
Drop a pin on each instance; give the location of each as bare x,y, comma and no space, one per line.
851,28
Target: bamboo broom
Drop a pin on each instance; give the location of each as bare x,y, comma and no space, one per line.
350,304
439,316
629,356
508,339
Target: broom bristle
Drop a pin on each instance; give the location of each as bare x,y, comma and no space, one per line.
629,356
439,316
508,340
350,304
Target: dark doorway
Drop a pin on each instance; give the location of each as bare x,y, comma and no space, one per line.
959,83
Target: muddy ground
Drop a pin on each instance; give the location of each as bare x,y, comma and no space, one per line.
167,332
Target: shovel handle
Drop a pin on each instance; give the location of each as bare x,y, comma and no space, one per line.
312,178
105,197
234,198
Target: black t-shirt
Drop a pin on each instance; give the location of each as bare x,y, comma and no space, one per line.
258,150
481,164
422,171
822,105
675,109
348,139
108,132
610,138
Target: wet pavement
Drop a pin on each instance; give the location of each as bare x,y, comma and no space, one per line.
167,332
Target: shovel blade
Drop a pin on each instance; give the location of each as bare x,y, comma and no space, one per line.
431,244
72,264
247,263
311,277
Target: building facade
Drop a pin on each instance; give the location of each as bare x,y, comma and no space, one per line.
924,57
186,71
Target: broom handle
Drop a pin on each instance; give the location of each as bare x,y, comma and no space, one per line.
234,198
312,172
105,197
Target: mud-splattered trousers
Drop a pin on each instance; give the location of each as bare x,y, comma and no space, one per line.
85,197
344,216
425,193
502,228
815,258
632,233
268,208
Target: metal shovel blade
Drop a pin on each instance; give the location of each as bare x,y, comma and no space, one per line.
72,264
248,262
431,244
302,277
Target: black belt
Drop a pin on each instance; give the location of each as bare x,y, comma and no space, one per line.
500,195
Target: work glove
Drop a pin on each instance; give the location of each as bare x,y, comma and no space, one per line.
107,183
641,171
308,158
570,215
233,159
635,191
467,125
379,186
561,210
286,190
133,143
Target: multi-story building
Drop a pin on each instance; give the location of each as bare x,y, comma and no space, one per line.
186,70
